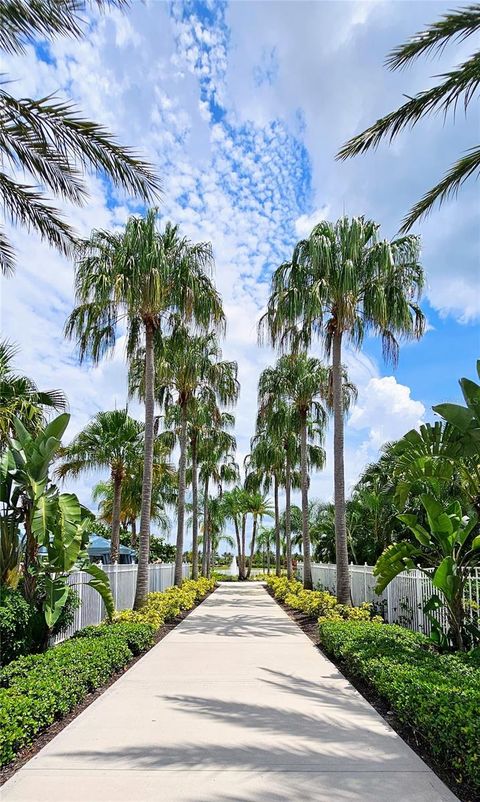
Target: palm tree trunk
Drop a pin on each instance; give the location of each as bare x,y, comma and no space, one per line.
205,527
144,543
194,510
182,463
268,556
116,510
288,525
252,545
133,540
237,536
343,578
278,556
241,564
307,564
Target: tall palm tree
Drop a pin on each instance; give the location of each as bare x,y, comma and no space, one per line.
343,282
266,467
460,82
233,507
189,369
277,418
265,538
50,140
21,398
111,440
143,278
259,506
216,460
303,382
164,492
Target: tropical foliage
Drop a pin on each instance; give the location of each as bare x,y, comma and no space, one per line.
53,523
49,140
458,84
341,283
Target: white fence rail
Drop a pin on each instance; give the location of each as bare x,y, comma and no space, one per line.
123,580
402,601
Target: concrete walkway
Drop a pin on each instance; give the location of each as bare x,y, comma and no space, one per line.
234,705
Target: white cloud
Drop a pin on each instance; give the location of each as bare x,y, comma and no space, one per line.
305,223
386,409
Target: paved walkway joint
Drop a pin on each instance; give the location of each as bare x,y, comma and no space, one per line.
234,705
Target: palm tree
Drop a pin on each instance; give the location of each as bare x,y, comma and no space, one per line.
462,81
111,440
265,538
49,139
259,506
189,369
164,492
303,382
216,460
21,398
234,508
342,282
142,278
266,466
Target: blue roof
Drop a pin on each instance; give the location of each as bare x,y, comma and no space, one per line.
100,545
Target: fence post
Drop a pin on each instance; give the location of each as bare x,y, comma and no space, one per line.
419,599
365,583
389,603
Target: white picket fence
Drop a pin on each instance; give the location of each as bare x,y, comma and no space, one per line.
402,601
123,580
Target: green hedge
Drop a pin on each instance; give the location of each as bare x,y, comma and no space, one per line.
317,603
436,694
38,689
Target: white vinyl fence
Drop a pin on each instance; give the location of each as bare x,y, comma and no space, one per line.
123,580
402,601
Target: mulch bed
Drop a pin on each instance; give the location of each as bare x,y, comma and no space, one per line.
41,740
409,734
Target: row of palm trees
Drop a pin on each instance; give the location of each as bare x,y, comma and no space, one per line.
341,283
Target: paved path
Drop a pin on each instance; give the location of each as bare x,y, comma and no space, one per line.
234,705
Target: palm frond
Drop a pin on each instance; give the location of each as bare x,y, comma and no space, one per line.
446,188
24,21
453,26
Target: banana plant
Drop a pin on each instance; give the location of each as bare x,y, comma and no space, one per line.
466,420
445,551
54,523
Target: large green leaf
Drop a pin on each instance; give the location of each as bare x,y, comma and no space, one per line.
458,416
471,394
101,584
56,428
45,518
444,576
56,596
395,559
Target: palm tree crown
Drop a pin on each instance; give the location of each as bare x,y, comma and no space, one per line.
111,440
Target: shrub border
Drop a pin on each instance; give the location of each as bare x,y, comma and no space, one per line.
309,625
43,738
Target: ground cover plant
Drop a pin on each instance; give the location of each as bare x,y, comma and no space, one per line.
436,695
38,689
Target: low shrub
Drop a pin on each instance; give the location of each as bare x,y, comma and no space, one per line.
438,695
22,623
40,688
318,603
37,689
138,637
160,608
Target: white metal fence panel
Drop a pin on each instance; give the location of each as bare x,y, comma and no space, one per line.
123,580
402,601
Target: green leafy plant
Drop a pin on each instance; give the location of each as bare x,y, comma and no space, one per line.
445,549
438,695
55,538
39,689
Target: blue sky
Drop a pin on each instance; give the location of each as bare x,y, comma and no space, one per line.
242,107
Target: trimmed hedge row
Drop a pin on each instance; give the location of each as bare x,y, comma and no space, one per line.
317,603
436,694
39,689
